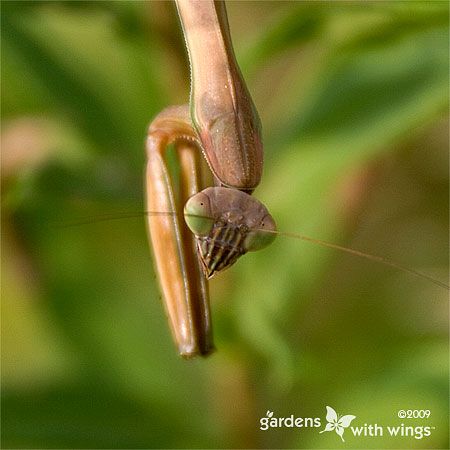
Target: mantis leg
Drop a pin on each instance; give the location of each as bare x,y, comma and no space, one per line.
179,269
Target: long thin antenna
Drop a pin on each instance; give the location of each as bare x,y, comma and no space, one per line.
351,251
112,216
378,259
118,216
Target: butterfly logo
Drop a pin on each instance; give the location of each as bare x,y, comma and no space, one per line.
336,422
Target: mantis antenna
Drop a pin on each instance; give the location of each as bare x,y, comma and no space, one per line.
298,236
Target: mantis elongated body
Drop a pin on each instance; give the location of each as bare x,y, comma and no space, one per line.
224,221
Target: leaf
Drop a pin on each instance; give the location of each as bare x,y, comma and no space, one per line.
66,68
345,421
331,414
298,26
269,413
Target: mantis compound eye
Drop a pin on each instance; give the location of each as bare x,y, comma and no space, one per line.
261,236
197,214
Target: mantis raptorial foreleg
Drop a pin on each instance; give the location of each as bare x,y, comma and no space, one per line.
179,270
221,123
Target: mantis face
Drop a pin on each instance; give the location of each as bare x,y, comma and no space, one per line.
227,223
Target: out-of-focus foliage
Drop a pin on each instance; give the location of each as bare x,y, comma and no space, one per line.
354,100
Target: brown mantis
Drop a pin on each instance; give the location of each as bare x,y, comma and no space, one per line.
222,222
224,125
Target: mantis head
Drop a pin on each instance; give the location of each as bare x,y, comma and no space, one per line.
227,223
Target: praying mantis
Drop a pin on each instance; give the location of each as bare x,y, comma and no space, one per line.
196,232
224,221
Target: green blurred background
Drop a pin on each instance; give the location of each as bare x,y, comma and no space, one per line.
353,97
